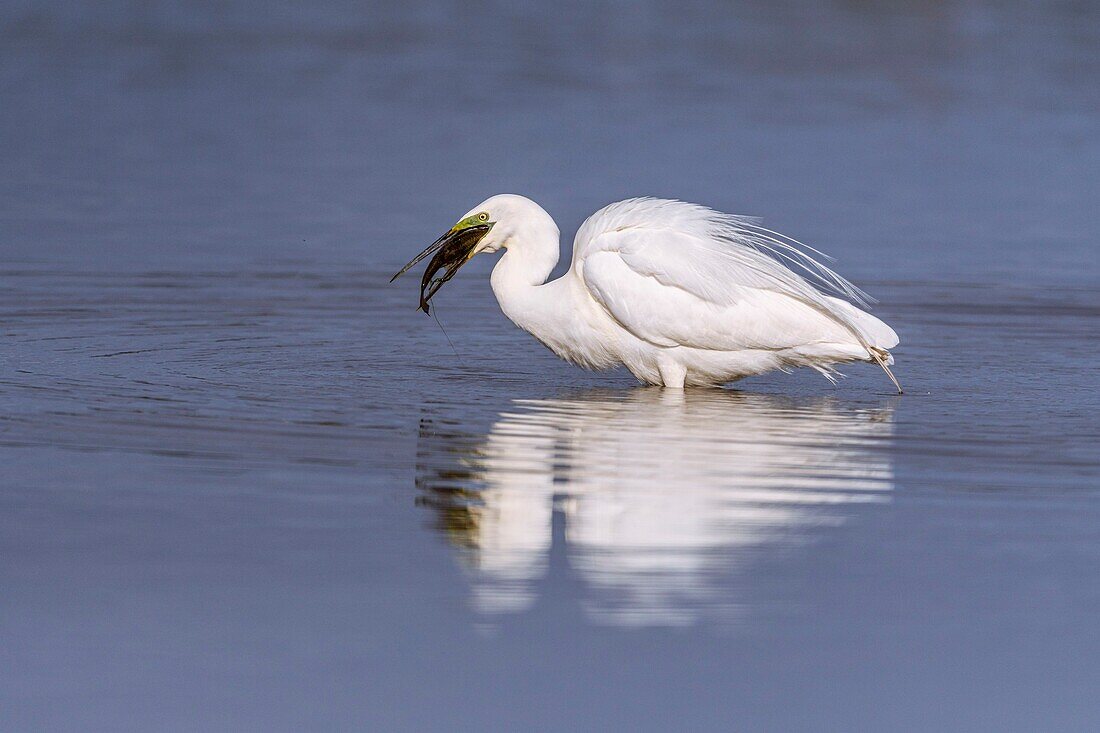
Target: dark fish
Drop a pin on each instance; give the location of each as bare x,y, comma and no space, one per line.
452,251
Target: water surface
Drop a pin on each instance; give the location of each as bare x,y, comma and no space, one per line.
247,486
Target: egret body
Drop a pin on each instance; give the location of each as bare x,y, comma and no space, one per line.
677,293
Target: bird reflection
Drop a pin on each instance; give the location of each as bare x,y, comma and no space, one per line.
664,495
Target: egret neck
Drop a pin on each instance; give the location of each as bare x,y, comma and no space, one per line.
519,282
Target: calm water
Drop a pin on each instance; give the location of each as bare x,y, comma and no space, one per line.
246,486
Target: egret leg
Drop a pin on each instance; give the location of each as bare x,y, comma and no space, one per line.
672,372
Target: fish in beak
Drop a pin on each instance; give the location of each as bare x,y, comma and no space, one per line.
452,251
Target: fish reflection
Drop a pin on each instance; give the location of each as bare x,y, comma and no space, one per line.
664,495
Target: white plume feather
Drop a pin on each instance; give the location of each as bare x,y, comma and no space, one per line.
720,250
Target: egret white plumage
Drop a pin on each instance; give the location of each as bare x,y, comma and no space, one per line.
677,293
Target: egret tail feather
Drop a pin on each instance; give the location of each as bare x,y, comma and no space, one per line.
880,356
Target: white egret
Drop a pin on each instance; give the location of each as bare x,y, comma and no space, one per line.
677,293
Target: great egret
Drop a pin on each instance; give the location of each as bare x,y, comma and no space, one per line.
676,292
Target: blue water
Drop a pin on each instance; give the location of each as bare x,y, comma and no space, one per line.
246,486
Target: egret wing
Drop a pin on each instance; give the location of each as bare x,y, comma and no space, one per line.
670,301
738,248
776,290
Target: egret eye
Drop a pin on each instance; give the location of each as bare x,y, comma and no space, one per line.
483,216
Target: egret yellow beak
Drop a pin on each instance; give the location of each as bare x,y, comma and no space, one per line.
452,251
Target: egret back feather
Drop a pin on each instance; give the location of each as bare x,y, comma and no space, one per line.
723,250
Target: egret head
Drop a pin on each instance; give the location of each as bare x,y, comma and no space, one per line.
487,227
